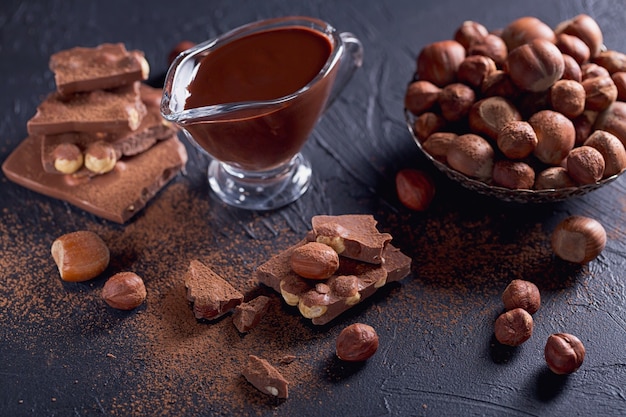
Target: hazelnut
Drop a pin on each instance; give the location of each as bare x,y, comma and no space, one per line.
521,294
600,92
517,139
491,46
591,70
314,260
438,62
421,96
438,144
564,353
524,30
124,291
100,157
514,327
619,78
498,83
474,69
515,175
535,66
585,28
553,178
578,239
613,61
346,286
426,124
571,69
583,125
489,115
585,165
80,255
555,136
568,97
473,156
178,49
356,343
313,304
573,46
455,101
613,120
68,158
612,151
415,189
470,31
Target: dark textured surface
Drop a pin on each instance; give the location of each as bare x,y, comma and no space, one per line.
62,353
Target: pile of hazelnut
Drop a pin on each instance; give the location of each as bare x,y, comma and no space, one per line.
527,107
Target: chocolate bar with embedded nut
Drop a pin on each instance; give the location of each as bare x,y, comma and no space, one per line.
115,110
116,196
212,296
353,236
322,301
153,128
104,67
265,377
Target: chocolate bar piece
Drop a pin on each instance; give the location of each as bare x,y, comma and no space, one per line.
265,377
116,196
353,236
211,295
248,315
103,67
116,110
353,282
153,128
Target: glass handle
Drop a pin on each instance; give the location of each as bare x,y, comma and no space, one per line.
351,60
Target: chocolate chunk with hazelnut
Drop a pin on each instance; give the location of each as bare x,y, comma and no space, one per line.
356,343
265,377
68,158
100,157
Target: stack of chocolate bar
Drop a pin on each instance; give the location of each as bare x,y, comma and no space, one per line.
99,141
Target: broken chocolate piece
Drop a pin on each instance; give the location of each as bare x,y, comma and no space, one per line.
211,295
265,377
116,110
322,302
106,66
116,196
248,315
153,128
354,236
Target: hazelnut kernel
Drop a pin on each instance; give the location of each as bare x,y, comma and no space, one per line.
515,175
612,151
314,260
553,178
438,62
521,294
100,157
356,343
514,327
473,156
585,28
80,255
585,165
421,96
578,239
124,291
517,139
536,65
415,189
564,353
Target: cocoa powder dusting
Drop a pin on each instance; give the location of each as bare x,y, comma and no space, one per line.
168,363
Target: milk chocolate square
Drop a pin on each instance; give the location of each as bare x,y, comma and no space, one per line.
106,111
104,67
116,196
153,128
354,236
265,377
